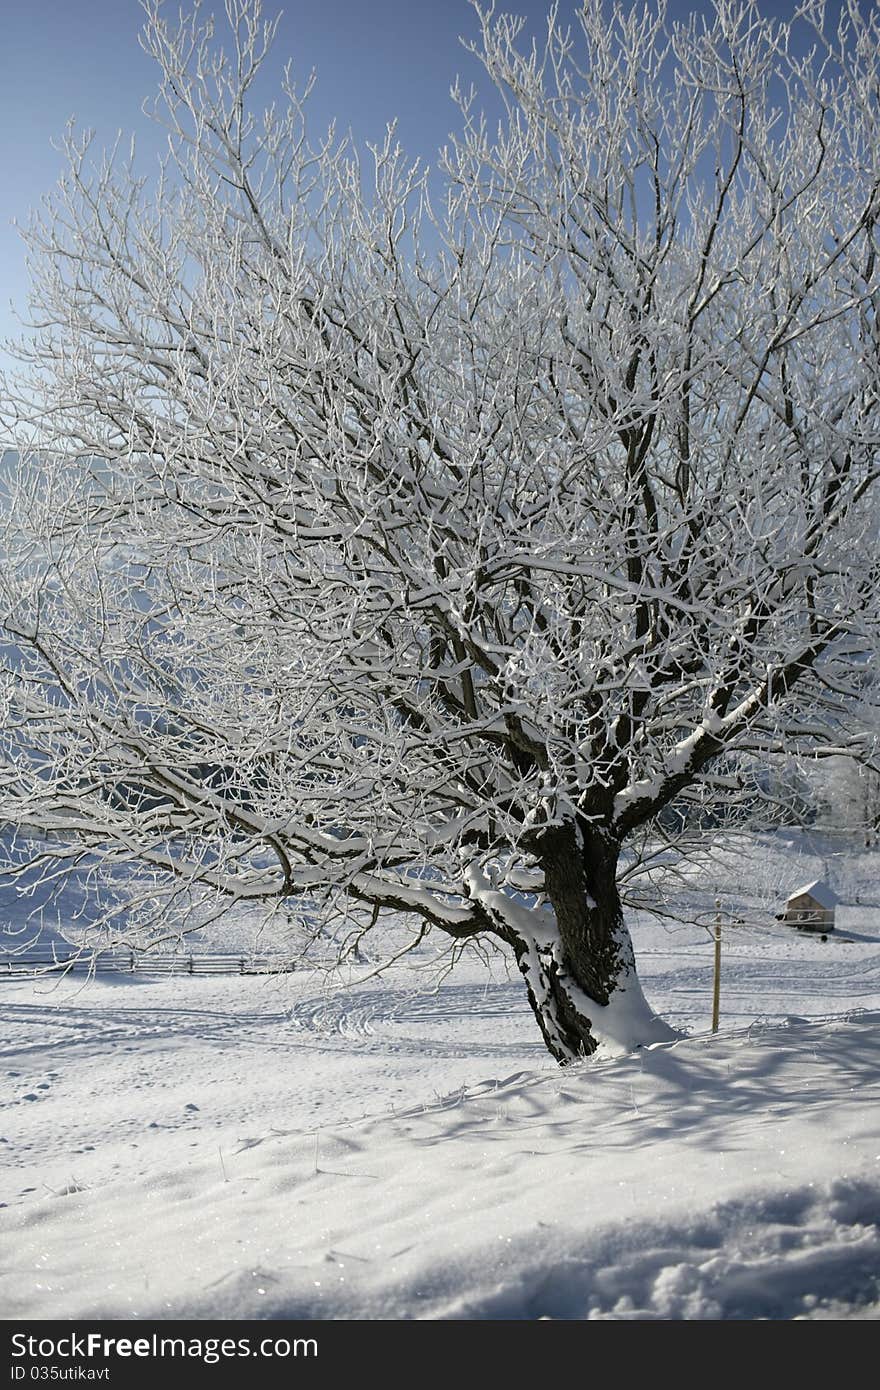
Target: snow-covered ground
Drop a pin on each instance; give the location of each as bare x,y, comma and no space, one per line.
290,1147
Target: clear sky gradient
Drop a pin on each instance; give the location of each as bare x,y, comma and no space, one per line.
375,59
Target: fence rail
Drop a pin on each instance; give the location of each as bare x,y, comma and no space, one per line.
25,963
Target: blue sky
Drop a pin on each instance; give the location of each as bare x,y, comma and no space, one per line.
375,59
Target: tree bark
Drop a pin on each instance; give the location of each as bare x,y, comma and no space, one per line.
580,971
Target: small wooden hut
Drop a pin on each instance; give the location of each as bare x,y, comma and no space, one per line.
811,908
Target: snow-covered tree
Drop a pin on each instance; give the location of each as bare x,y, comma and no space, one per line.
848,794
415,540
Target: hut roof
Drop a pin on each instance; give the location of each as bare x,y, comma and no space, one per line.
818,890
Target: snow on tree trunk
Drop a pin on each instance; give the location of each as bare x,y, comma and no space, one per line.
575,953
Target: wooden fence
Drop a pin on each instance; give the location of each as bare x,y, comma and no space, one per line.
15,964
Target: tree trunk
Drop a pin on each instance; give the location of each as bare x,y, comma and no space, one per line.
579,966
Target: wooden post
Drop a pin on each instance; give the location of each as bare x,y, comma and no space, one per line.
716,985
